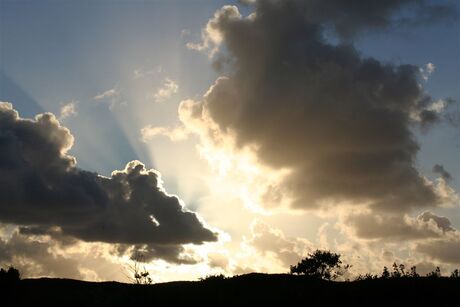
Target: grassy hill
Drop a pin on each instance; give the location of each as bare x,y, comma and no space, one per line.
245,290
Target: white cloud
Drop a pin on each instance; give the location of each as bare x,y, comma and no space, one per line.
69,109
211,36
111,97
107,94
438,106
427,70
165,91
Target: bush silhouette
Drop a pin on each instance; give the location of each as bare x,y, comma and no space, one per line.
434,274
399,271
320,264
213,278
140,274
367,276
413,272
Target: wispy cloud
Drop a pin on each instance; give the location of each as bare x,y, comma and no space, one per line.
69,109
175,134
111,97
427,71
165,91
107,94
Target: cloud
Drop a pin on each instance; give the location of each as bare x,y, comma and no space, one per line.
41,186
340,123
33,258
211,36
218,260
397,227
175,134
446,250
107,94
441,222
171,253
268,240
427,71
111,97
439,169
352,18
345,19
164,92
38,254
68,110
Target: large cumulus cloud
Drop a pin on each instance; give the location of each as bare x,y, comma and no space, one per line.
42,188
339,122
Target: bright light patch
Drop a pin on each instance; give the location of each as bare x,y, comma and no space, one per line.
154,220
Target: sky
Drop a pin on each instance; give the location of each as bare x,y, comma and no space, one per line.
220,137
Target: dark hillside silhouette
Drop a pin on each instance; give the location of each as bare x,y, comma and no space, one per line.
400,287
247,290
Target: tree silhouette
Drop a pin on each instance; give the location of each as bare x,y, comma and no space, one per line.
396,271
9,276
320,264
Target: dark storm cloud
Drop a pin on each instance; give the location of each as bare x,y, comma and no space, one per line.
339,121
441,222
41,187
439,169
171,253
352,17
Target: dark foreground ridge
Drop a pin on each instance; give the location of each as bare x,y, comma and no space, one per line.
245,290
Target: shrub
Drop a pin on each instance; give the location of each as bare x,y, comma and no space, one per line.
140,274
434,274
367,276
213,277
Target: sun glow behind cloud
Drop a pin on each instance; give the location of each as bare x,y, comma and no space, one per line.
240,174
